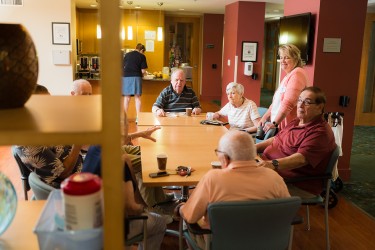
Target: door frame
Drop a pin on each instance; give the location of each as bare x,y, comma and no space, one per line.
361,118
195,44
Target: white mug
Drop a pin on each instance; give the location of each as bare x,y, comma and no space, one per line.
210,116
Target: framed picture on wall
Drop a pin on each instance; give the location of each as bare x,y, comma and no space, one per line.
61,33
11,2
249,51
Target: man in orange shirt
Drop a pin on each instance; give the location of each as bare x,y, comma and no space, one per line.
241,178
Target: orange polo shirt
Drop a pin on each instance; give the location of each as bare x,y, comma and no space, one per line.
241,180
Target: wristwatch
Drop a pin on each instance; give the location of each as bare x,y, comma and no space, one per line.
275,163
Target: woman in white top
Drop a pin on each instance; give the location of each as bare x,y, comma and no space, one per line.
241,112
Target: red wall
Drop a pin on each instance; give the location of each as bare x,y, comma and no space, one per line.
336,73
213,26
244,21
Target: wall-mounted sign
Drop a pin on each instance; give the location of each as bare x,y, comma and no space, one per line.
332,45
150,35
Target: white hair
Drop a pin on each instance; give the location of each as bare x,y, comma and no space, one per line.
238,87
238,145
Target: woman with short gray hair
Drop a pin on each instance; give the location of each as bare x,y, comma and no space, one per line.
241,112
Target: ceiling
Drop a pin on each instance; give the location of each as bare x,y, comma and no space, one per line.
188,7
274,8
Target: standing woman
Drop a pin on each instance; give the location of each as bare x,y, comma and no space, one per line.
284,103
135,66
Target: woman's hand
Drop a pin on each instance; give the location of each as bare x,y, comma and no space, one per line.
262,121
268,126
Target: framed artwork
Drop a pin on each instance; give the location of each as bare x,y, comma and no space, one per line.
249,51
12,2
61,33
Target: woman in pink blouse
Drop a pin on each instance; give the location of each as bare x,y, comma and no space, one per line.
284,103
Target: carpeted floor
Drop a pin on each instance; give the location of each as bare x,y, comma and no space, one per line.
360,188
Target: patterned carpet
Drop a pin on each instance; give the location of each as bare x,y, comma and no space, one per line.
360,188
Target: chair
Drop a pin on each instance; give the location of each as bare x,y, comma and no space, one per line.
142,236
270,133
262,111
24,172
40,189
255,224
318,199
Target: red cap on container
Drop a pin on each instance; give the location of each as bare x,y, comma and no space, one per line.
81,184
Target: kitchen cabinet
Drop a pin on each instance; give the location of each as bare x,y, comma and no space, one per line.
87,21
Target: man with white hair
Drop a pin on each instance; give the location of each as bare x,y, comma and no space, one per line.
176,97
81,87
241,178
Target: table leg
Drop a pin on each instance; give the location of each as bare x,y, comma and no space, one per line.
184,193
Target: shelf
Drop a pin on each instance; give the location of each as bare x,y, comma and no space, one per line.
53,120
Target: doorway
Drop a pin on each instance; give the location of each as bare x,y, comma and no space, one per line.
182,45
270,60
365,109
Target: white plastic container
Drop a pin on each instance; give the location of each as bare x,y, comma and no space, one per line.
51,235
82,196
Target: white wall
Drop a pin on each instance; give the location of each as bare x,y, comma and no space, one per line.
37,17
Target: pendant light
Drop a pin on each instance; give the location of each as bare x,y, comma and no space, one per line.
98,32
160,28
130,28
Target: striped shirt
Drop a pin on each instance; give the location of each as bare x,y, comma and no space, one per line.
241,117
170,101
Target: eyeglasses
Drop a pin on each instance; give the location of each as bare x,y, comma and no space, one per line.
218,151
306,102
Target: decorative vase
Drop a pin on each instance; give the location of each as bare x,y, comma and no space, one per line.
18,66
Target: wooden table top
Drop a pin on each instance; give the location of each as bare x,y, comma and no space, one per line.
185,146
172,119
20,233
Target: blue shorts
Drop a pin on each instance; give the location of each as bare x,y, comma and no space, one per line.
132,85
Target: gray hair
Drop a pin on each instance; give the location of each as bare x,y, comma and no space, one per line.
78,84
177,71
238,145
238,87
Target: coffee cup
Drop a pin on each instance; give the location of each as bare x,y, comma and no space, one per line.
216,164
210,116
188,111
260,133
162,161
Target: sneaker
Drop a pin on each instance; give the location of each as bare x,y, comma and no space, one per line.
158,210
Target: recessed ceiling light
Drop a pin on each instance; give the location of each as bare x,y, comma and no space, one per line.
137,7
181,9
93,5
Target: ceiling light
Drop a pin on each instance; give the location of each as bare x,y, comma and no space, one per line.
160,28
130,28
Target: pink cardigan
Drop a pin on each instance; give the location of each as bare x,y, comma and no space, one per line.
294,83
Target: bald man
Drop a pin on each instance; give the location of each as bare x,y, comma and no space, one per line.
81,87
241,178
